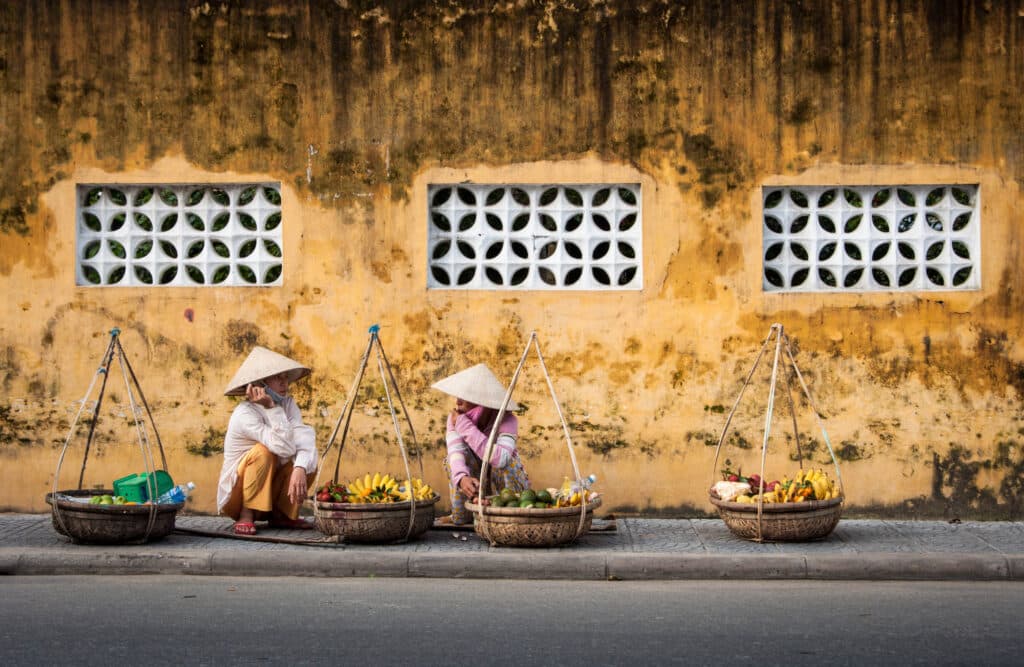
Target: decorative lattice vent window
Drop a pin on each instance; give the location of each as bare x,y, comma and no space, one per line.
178,235
535,237
871,238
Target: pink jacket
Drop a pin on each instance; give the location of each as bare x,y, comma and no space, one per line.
468,437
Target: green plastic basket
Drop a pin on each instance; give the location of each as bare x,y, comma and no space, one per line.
138,488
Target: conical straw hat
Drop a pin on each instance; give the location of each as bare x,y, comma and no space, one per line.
476,385
260,364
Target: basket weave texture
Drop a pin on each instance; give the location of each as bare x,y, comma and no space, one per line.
109,524
374,523
521,527
781,522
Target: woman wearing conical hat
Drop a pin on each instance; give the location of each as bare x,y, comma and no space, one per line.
270,455
478,396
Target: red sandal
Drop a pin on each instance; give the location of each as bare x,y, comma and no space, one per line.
245,528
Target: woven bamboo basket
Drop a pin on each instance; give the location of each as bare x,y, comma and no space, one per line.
781,522
110,524
521,527
374,523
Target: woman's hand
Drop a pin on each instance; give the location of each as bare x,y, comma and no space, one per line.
257,394
297,486
469,486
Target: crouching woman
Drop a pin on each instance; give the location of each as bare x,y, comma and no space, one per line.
270,455
478,396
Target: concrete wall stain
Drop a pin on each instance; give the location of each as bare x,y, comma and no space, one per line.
356,106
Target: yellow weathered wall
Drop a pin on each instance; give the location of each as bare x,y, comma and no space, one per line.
355,107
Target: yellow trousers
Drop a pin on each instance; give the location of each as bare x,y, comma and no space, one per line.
262,486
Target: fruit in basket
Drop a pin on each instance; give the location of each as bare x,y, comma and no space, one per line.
805,486
332,492
420,490
380,489
374,488
539,498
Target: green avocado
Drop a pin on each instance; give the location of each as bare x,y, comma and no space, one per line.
528,495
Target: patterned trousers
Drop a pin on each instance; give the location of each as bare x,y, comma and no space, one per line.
512,476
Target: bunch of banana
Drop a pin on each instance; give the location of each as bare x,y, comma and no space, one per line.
574,499
824,488
373,489
420,490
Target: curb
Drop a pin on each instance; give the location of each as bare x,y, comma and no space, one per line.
523,565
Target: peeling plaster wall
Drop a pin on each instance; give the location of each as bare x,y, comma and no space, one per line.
355,107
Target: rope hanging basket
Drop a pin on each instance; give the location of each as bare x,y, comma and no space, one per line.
71,512
377,523
529,527
762,521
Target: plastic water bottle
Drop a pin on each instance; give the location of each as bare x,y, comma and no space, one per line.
176,495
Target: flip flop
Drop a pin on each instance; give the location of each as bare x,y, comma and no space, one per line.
244,528
447,522
291,524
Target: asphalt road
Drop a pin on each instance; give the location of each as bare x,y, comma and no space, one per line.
190,620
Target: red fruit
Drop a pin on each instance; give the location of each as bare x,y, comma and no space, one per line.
323,496
770,486
734,478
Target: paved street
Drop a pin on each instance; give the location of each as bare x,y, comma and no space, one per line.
179,620
638,549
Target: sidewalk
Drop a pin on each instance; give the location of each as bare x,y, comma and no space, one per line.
637,549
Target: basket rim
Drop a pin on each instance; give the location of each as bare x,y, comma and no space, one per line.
375,507
777,508
573,510
139,508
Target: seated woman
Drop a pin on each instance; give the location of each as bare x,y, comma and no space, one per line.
270,455
478,396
